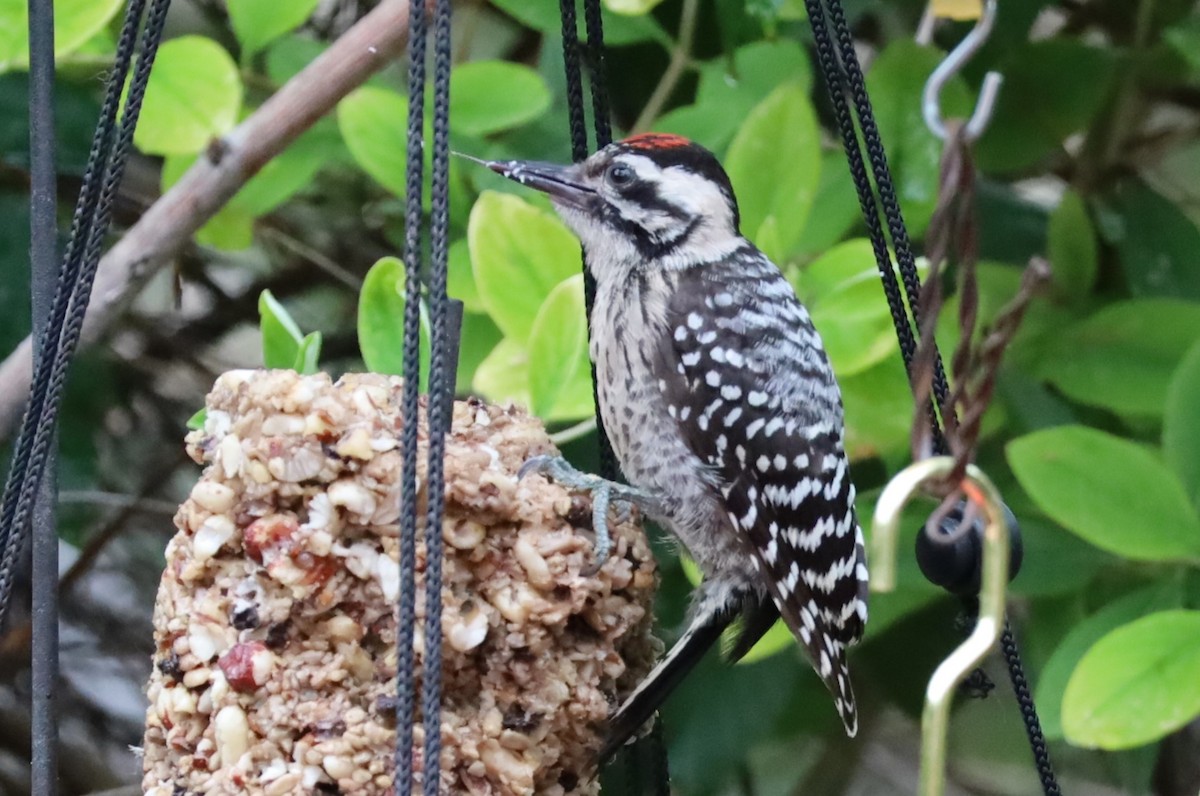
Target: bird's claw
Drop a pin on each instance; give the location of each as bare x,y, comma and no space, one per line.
534,464
558,470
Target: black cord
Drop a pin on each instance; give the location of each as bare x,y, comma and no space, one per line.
658,774
406,622
594,20
438,407
847,78
574,74
579,151
835,83
93,210
441,383
1033,724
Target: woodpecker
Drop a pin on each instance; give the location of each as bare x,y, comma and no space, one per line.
721,406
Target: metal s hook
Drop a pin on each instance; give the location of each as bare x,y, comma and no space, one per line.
955,668
931,107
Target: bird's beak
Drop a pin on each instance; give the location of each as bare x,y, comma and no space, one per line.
561,183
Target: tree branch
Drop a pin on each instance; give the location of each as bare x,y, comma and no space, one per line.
232,160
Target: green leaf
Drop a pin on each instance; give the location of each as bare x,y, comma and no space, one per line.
1181,423
719,714
710,125
14,249
490,96
287,57
479,337
193,96
848,307
1155,241
292,170
774,163
619,29
774,641
1137,684
75,22
835,208
374,125
232,227
1184,38
308,355
503,375
895,83
229,229
560,379
1072,247
196,421
752,74
1052,89
257,23
281,337
1122,357
519,253
1056,562
631,6
381,320
76,109
1057,672
1109,491
460,277
773,11
879,410
730,88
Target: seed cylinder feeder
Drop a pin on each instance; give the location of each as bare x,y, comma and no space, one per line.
275,623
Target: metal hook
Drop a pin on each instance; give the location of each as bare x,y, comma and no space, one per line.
931,98
954,669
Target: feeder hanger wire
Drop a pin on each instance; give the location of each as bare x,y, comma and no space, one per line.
445,326
955,668
931,107
846,85
60,298
646,770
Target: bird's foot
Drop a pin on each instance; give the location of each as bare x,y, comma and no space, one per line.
605,495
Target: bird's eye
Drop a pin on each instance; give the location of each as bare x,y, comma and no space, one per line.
620,175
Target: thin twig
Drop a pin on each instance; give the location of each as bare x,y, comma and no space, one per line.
95,497
680,57
214,179
314,256
114,525
572,433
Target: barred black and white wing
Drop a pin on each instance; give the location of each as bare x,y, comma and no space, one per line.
747,379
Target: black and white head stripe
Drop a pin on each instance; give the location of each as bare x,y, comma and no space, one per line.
675,151
665,196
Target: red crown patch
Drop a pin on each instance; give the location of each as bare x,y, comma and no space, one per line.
656,141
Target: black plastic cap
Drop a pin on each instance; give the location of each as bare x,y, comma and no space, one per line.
956,564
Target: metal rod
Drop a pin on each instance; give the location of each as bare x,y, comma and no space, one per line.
44,267
954,669
931,98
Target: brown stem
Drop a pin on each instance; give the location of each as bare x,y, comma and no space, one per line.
680,57
213,180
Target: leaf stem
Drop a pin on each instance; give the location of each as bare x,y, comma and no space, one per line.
572,433
680,57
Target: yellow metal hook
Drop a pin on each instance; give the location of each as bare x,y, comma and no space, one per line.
994,584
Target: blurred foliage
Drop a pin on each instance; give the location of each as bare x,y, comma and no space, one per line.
1092,158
